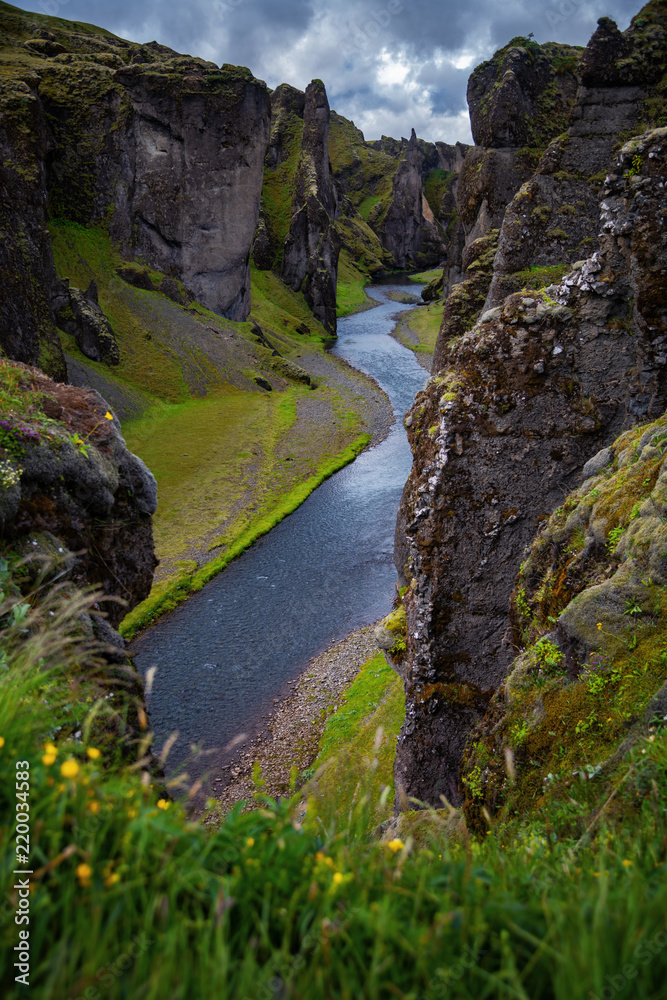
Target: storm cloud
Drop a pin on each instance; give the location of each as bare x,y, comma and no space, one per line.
390,65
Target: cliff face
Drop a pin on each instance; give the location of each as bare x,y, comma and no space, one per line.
187,192
518,101
312,245
408,229
27,328
515,408
71,491
166,150
553,218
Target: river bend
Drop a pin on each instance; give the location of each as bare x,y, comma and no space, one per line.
226,654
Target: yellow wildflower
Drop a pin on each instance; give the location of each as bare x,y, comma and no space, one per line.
108,415
599,626
48,759
111,879
163,804
93,753
626,863
93,807
2,742
337,878
50,748
395,845
83,873
250,841
69,769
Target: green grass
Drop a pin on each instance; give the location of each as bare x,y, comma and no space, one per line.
125,892
424,277
359,744
210,481
424,322
230,461
350,294
365,206
534,278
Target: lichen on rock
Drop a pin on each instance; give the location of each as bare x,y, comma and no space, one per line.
75,481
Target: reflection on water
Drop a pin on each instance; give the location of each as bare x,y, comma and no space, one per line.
224,655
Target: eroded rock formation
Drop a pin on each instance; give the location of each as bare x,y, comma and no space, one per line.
518,405
27,272
67,475
552,220
165,150
312,245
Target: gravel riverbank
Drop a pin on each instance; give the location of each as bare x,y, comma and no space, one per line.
293,731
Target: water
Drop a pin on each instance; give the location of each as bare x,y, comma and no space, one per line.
224,655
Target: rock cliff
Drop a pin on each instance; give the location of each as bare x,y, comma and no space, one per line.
165,151
552,220
515,408
407,227
71,491
312,245
27,327
518,100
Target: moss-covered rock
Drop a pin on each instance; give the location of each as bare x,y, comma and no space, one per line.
590,615
524,95
75,481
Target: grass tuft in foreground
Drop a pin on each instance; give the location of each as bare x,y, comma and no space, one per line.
129,898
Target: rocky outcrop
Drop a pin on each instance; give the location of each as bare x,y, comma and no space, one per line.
553,218
524,93
587,618
66,474
182,167
27,272
499,435
518,101
312,245
78,313
467,297
167,151
411,236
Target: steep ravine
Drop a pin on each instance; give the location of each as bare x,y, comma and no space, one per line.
224,655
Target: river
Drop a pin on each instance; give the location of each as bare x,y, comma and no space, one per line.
224,655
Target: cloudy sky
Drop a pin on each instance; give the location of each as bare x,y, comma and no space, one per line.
389,65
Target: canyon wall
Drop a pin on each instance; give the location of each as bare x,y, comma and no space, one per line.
164,151
518,403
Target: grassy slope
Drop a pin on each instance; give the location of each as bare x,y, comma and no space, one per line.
418,329
261,453
268,897
359,745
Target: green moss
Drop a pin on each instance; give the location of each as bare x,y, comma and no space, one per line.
358,747
600,602
436,185
536,278
350,294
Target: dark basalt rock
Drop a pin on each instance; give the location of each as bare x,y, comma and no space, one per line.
553,218
27,272
310,255
408,230
79,314
523,96
500,435
174,145
98,505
